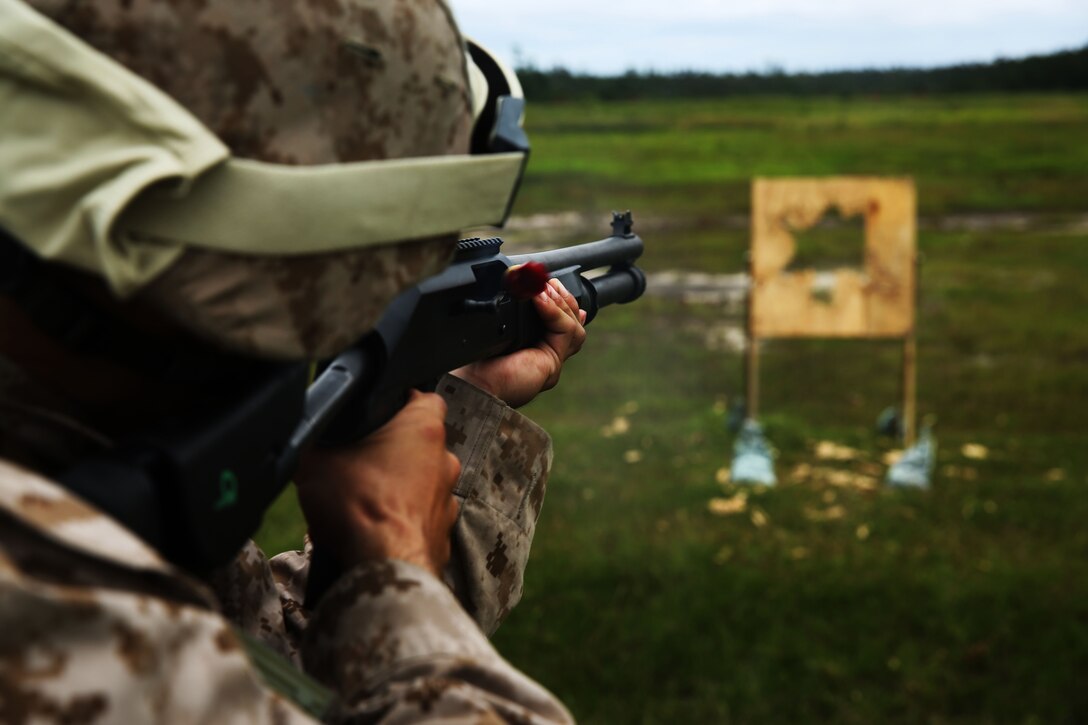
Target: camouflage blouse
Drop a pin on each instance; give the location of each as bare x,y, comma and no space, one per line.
96,627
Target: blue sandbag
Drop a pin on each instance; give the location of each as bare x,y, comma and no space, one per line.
915,468
753,461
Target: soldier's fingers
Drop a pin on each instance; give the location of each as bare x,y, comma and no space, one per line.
551,310
423,418
453,470
571,300
566,333
577,339
563,299
453,510
427,404
576,333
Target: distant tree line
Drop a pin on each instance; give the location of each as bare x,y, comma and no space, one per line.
1062,71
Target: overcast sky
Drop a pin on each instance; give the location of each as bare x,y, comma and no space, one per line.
610,37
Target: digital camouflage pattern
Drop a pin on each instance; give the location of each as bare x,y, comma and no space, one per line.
307,82
282,307
317,82
506,459
95,627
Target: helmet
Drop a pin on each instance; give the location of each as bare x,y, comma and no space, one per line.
267,175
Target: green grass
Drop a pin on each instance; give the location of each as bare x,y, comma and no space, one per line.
967,153
964,603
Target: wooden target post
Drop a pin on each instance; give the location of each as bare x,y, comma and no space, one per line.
875,302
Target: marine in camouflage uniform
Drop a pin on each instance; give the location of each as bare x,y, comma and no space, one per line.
94,625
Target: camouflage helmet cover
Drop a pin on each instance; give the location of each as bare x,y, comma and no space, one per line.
300,83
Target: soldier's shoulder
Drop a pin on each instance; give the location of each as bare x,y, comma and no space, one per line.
58,516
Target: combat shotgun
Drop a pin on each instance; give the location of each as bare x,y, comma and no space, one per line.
196,490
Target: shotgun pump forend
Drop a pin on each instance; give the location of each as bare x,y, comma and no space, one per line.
197,489
463,315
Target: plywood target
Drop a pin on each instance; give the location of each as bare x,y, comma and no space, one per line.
874,301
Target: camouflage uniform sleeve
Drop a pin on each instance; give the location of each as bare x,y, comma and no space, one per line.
256,595
505,459
98,629
95,628
393,642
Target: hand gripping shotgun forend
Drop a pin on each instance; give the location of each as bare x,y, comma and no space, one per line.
197,489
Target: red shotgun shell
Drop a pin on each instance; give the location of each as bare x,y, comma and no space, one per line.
526,280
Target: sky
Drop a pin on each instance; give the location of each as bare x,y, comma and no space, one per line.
603,37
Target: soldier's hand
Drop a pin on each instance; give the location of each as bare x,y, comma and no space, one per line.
390,496
519,377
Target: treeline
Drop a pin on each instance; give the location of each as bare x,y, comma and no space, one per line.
1063,71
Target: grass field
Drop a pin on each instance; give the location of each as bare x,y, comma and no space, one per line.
828,597
988,153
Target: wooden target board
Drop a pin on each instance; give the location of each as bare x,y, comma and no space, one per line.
874,301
